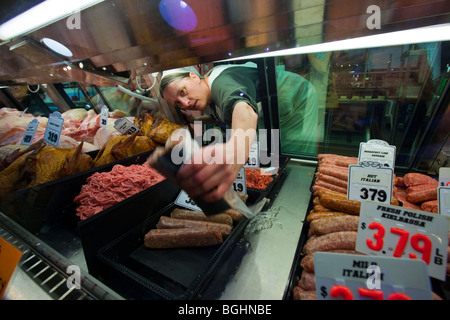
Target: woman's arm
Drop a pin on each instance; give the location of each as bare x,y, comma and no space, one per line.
214,169
205,119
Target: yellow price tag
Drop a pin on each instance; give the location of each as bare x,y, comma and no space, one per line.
9,258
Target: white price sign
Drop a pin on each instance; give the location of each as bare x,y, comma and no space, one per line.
185,201
104,117
377,151
393,231
444,177
240,184
29,133
370,181
444,201
253,156
124,126
54,128
358,277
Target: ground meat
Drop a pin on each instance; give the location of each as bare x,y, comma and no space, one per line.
105,189
255,179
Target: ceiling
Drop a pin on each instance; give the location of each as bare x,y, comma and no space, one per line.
119,38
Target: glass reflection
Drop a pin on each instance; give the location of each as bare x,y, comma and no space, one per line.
178,14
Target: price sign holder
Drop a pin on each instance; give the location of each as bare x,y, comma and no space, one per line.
370,181
124,126
444,201
104,114
185,201
29,133
444,177
253,156
358,277
54,128
240,184
377,151
393,231
9,258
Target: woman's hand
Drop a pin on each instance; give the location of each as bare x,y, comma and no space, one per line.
213,170
210,173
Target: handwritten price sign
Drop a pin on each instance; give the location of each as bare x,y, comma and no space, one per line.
185,201
392,231
29,133
253,156
240,184
54,128
356,277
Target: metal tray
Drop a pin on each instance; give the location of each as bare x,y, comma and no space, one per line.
296,268
171,274
255,195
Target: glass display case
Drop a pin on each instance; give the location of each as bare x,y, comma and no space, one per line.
398,93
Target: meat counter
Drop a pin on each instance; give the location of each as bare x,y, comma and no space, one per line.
263,272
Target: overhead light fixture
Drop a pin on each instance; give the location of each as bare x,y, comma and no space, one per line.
57,47
428,34
42,15
178,14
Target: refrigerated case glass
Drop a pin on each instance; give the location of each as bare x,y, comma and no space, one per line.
32,99
387,93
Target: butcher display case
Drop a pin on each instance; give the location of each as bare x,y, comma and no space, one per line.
361,89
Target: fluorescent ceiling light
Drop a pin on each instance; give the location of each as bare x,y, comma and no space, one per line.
435,33
42,15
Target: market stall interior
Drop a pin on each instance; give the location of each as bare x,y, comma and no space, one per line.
377,72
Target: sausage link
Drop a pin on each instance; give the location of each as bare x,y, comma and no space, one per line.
319,215
322,192
300,294
181,238
421,193
331,241
334,224
307,281
307,262
332,180
171,223
320,208
430,206
178,213
330,186
341,205
414,179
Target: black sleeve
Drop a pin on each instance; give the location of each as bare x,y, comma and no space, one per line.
232,86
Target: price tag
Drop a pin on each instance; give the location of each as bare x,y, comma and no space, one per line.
444,177
104,116
54,128
29,133
253,156
124,126
357,277
444,201
393,231
240,184
185,201
9,258
370,181
377,151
